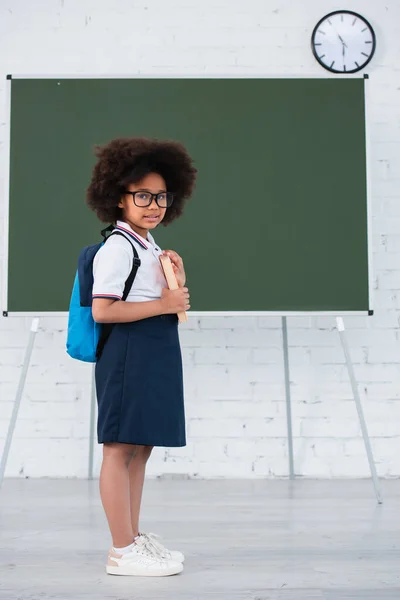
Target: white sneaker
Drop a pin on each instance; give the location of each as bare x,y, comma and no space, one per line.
142,561
155,540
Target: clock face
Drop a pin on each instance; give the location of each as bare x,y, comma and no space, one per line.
343,42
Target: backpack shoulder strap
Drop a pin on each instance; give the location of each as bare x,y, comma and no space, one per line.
107,327
135,265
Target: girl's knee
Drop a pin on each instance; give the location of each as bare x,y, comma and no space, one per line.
117,451
144,452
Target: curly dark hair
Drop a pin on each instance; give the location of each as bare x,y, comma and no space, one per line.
128,160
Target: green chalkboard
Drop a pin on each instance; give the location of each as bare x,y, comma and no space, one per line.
278,221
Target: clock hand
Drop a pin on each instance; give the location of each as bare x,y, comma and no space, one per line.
342,40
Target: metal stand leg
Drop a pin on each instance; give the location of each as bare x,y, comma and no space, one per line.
18,397
340,326
92,423
288,401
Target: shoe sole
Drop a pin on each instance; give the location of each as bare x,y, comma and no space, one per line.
137,572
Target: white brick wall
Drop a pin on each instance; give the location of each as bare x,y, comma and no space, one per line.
234,372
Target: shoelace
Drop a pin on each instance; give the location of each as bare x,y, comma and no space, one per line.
155,536
149,551
153,545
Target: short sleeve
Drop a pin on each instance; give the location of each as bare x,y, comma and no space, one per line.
111,267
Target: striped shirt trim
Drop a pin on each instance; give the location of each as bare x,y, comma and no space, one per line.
107,296
135,237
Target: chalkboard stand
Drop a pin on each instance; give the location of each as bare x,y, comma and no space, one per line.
18,397
92,424
343,339
17,404
341,330
288,399
349,364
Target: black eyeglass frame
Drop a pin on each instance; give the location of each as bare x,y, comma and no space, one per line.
170,198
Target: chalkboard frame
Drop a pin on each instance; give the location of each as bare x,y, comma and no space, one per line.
192,314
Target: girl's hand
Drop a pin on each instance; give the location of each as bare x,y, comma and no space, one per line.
177,265
175,301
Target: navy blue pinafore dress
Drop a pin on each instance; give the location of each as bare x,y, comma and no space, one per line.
139,383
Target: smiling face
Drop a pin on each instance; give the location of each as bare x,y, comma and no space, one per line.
142,219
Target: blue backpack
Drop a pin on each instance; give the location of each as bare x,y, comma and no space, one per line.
86,338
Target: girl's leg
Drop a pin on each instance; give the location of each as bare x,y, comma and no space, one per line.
137,470
114,491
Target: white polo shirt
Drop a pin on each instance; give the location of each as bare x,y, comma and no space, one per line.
113,263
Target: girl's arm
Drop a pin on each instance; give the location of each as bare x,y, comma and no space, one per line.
107,310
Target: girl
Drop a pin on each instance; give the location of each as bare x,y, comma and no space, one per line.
137,184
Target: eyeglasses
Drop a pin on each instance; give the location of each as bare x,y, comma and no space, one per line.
143,199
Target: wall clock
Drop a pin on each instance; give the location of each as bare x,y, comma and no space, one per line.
343,42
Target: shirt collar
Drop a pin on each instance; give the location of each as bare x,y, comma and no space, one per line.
151,239
122,226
